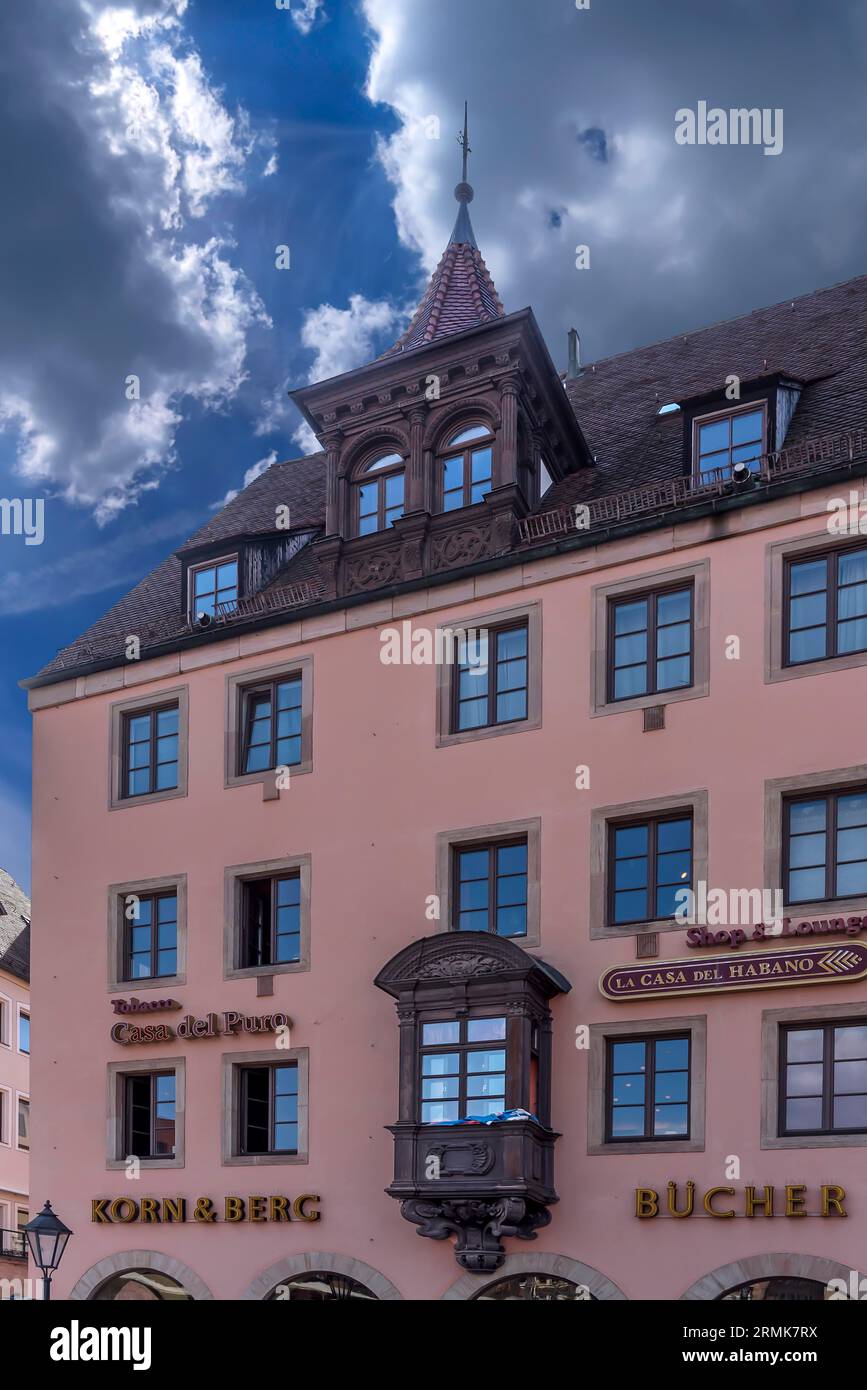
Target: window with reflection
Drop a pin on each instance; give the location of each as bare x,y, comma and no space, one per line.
271,927
271,725
650,861
321,1286
825,846
379,496
823,1079
826,606
150,751
463,1069
490,888
727,438
151,936
779,1289
467,467
149,1114
536,1288
269,1109
648,1090
141,1286
650,643
214,589
490,678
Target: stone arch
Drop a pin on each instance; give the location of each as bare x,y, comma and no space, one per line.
98,1274
287,1268
718,1281
556,1266
442,418
386,435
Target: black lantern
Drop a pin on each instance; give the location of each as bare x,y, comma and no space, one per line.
47,1237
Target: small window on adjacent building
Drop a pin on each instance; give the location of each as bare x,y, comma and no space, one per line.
727,438
648,1088
650,643
151,932
271,929
491,678
826,606
490,888
463,1069
149,1114
379,498
649,862
825,846
269,1109
467,467
823,1079
150,751
23,1032
214,589
271,725
23,1123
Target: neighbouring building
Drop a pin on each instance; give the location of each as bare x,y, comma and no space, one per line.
362,824
14,1079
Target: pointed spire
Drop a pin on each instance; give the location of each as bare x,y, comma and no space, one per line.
461,293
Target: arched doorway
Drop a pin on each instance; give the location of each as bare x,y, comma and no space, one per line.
538,1278
781,1278
777,1289
533,1288
141,1286
321,1277
321,1286
145,1275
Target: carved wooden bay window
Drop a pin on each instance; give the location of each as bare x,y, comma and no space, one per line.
473,1143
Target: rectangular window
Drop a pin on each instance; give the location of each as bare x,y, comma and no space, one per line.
649,861
150,751
650,643
24,1032
490,888
271,725
491,681
23,1123
271,933
823,1079
648,1088
269,1109
151,945
214,589
825,606
825,846
722,440
149,1114
463,1069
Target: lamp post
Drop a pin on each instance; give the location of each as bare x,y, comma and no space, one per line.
47,1237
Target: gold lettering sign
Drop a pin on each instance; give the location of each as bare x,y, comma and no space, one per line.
723,1203
212,1025
106,1211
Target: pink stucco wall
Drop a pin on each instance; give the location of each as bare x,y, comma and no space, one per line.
14,1082
369,814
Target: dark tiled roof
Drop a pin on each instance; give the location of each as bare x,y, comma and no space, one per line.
817,339
461,295
14,928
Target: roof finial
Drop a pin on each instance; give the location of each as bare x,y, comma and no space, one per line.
463,232
464,142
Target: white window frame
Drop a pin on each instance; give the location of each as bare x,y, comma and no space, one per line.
209,565
21,1009
25,1096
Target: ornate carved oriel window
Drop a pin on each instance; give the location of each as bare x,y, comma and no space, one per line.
474,1147
378,495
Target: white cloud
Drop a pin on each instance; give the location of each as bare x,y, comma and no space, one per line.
303,13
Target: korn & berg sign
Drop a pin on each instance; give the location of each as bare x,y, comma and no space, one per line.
817,965
211,1026
724,1203
107,1211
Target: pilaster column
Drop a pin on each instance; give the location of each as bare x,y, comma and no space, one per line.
508,451
333,518
414,500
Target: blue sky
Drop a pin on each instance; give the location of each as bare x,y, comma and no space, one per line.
157,154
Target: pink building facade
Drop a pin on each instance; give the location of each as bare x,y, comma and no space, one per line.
14,1079
416,1018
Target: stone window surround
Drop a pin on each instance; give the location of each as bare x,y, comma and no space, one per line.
93,1279
698,575
7,1012
19,1096
449,840
776,556
138,705
115,1073
531,613
231,1091
8,1113
234,877
601,819
235,686
293,1265
20,1009
771,1020
776,790
775,1266
142,887
696,1026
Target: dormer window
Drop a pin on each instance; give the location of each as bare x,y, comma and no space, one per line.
467,467
729,437
214,588
379,495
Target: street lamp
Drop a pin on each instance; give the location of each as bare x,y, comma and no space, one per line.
47,1237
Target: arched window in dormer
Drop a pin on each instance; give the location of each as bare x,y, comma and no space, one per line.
466,467
378,494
